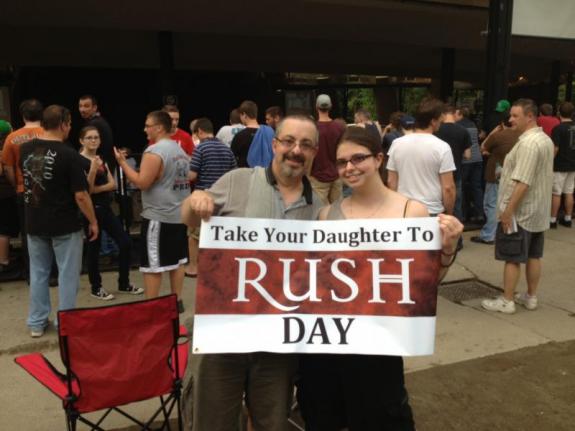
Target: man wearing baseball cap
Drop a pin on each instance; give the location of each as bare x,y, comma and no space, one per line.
324,177
497,116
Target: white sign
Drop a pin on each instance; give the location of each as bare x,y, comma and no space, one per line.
361,286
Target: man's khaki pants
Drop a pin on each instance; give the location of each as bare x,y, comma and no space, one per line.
328,192
220,381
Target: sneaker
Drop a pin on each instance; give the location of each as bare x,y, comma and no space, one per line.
553,225
480,240
102,295
528,301
37,332
181,308
566,223
131,289
499,304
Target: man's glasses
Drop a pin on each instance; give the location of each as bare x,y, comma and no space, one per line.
290,143
355,160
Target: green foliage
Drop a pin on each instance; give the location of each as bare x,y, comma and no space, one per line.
411,96
360,98
561,93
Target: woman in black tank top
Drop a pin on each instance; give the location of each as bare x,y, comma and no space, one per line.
364,392
102,185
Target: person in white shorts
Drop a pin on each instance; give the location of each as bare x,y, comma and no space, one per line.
563,136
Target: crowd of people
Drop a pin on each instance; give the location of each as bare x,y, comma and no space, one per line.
304,167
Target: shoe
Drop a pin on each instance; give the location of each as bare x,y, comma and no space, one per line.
102,295
529,302
480,240
553,225
181,308
38,331
566,223
499,304
131,289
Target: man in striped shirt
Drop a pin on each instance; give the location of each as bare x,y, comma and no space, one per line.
211,159
523,207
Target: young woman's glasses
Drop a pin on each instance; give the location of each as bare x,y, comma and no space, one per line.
355,160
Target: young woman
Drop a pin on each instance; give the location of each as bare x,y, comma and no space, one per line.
101,184
364,392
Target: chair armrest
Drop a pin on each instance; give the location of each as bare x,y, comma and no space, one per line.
42,370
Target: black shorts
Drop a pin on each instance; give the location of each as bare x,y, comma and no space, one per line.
164,246
518,247
9,223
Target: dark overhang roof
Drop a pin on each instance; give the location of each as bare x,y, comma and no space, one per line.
390,37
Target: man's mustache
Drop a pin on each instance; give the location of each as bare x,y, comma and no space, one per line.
295,158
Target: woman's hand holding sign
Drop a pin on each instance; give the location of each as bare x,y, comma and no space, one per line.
451,230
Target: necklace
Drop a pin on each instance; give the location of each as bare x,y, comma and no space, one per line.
371,214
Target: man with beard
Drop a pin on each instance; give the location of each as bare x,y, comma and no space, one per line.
280,191
88,107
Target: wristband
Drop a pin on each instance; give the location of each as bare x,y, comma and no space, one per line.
453,256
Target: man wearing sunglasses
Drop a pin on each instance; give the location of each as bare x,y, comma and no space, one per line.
280,191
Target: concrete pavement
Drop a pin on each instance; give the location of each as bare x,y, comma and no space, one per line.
464,331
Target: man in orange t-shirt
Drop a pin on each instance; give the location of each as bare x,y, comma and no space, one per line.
31,111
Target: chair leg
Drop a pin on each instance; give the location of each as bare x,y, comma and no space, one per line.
71,421
179,409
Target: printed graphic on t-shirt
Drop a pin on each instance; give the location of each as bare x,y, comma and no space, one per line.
181,181
38,167
19,140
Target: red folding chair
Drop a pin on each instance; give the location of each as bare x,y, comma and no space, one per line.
114,356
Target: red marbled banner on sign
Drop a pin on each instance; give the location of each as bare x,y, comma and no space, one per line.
218,290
